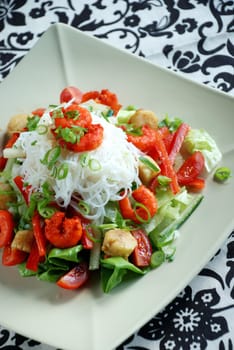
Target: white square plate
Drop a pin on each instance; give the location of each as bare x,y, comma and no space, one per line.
88,319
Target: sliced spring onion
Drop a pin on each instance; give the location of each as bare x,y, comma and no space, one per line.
137,205
62,171
68,135
42,129
131,108
34,143
107,114
73,114
163,180
171,123
157,258
169,252
83,207
151,165
57,113
54,172
47,191
94,164
35,197
107,226
44,209
222,174
73,134
46,212
51,157
84,159
132,130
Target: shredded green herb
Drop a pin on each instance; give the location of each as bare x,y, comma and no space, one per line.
171,123
32,122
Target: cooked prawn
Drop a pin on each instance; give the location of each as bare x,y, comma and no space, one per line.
63,232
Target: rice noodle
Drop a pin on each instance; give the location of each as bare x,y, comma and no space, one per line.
117,161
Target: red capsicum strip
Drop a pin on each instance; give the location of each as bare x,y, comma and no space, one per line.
25,190
86,242
39,234
166,164
12,140
33,258
177,141
9,144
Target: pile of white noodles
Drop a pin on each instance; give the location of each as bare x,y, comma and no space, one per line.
96,177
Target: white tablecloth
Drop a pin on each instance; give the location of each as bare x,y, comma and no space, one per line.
195,38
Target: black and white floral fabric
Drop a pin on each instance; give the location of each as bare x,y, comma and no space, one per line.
195,38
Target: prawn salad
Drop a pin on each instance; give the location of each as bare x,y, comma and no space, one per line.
87,185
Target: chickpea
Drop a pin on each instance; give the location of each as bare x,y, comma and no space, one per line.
17,123
144,117
6,195
146,173
23,240
119,242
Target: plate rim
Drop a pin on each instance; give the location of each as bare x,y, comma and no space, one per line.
57,28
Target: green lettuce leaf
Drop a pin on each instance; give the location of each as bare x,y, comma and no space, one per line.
113,271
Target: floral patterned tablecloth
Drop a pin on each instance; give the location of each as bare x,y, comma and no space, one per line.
195,38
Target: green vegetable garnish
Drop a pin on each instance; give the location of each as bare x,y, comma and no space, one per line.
42,129
72,135
51,157
157,258
171,123
72,114
94,164
153,166
57,113
32,122
222,174
83,207
62,171
107,114
163,180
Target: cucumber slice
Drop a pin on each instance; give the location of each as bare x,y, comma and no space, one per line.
158,236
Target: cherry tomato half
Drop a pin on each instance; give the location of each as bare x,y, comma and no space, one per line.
191,168
75,278
196,185
6,228
142,253
71,92
12,256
